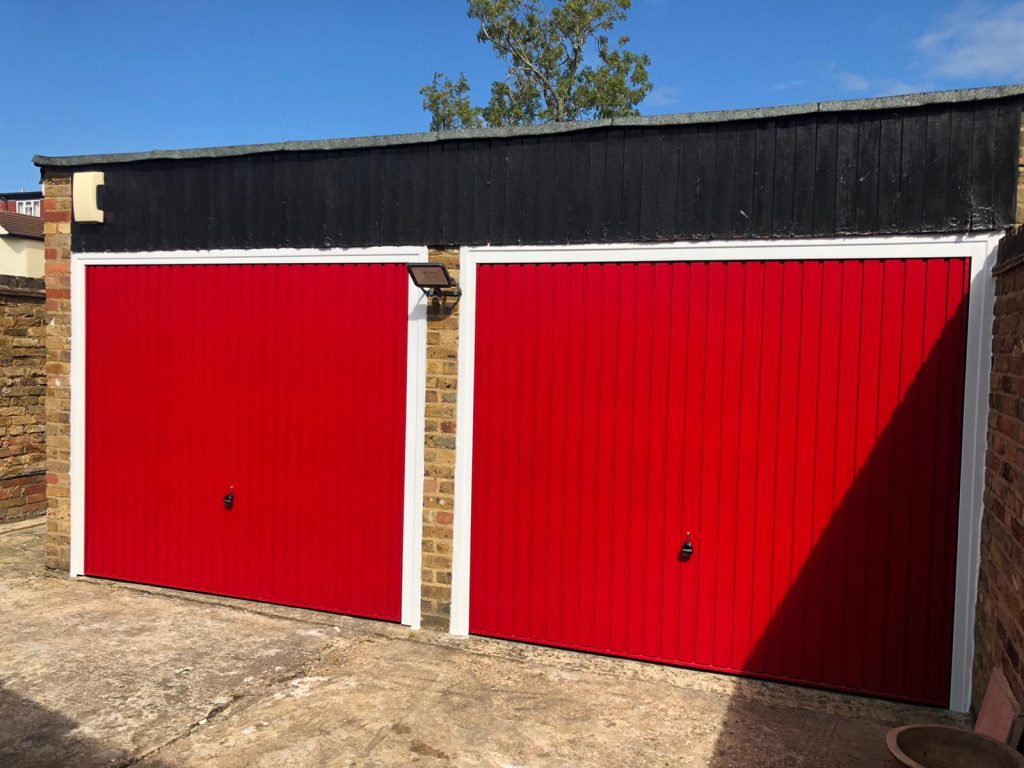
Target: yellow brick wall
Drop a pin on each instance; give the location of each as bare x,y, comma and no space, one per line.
57,231
439,452
22,398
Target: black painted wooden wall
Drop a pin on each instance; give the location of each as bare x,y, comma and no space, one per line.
950,168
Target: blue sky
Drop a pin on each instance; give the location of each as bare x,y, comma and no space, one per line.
103,76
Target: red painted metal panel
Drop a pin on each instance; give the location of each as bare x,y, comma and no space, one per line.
802,419
284,382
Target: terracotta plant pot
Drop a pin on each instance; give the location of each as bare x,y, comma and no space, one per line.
940,746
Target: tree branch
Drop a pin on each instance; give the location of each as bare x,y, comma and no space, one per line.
527,63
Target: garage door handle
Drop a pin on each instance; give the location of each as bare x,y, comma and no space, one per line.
686,551
229,499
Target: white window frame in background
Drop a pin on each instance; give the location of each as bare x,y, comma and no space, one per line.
33,205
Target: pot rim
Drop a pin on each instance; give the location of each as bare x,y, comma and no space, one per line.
892,741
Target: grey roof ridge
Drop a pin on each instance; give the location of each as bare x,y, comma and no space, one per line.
429,137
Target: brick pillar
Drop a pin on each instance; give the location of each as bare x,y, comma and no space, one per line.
439,453
57,230
999,623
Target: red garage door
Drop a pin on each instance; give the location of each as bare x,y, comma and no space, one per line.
284,385
801,418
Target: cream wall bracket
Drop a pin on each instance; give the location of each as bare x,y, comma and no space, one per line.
84,186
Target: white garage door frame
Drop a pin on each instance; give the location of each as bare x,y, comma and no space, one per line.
416,366
980,248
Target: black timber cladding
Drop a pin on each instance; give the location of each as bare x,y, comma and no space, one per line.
927,169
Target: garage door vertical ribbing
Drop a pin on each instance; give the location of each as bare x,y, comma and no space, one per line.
801,418
282,384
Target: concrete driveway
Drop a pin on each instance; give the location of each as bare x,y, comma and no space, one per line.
102,674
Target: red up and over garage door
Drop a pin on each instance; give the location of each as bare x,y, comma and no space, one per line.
798,421
246,430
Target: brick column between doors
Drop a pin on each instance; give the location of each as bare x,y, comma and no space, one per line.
439,452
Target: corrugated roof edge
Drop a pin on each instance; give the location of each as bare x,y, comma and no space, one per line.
684,118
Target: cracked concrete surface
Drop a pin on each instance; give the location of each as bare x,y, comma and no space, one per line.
102,674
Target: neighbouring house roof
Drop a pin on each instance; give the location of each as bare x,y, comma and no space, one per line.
37,195
856,105
20,225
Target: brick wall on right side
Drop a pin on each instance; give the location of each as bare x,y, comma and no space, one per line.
999,623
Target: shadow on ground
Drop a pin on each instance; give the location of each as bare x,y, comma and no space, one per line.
35,737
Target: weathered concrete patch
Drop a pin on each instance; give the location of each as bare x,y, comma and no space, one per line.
394,702
20,552
91,674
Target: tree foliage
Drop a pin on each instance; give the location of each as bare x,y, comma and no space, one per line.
562,66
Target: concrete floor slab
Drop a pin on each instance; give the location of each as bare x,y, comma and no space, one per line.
97,673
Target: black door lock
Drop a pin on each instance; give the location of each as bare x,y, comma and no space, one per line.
229,499
686,551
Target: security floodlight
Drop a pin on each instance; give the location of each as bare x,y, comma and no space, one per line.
434,280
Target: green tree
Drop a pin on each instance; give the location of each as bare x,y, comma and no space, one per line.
562,66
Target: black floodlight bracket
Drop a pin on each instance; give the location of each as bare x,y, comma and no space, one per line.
434,280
